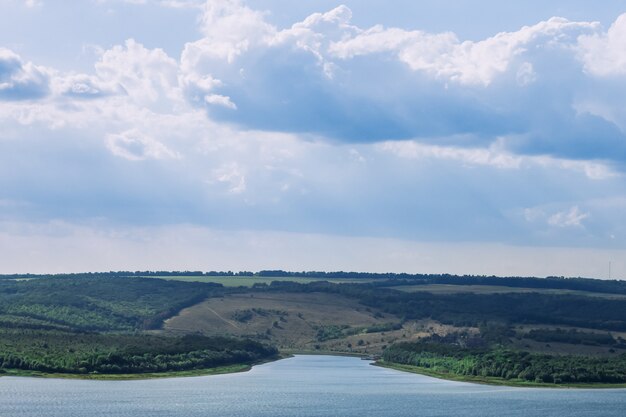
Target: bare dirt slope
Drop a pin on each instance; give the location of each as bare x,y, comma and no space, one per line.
295,321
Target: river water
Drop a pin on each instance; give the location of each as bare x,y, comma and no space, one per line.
298,387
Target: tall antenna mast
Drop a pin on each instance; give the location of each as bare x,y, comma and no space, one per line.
609,269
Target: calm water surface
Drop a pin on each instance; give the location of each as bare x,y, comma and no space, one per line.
300,386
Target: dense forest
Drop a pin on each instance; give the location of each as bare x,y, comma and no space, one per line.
574,337
62,352
96,304
508,364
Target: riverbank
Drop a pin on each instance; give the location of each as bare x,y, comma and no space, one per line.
128,377
489,380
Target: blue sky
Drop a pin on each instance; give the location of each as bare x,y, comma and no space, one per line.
434,136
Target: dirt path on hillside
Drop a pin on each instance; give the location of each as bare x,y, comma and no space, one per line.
223,319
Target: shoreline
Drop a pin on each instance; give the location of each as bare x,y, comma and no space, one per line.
492,380
129,377
239,368
222,370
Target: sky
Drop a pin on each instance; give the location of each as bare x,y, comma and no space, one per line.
465,137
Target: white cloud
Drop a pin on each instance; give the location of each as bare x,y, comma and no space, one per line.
445,57
85,86
232,175
604,54
21,80
570,218
135,146
149,77
230,28
496,156
477,156
220,100
593,170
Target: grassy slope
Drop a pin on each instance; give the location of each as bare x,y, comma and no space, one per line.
287,320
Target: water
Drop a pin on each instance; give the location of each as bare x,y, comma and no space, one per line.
298,387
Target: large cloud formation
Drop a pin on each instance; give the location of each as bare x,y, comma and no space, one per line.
327,127
326,77
554,88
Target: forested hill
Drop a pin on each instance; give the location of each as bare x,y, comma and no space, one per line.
96,303
95,325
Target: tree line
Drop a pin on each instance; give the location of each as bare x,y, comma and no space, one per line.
509,364
577,284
